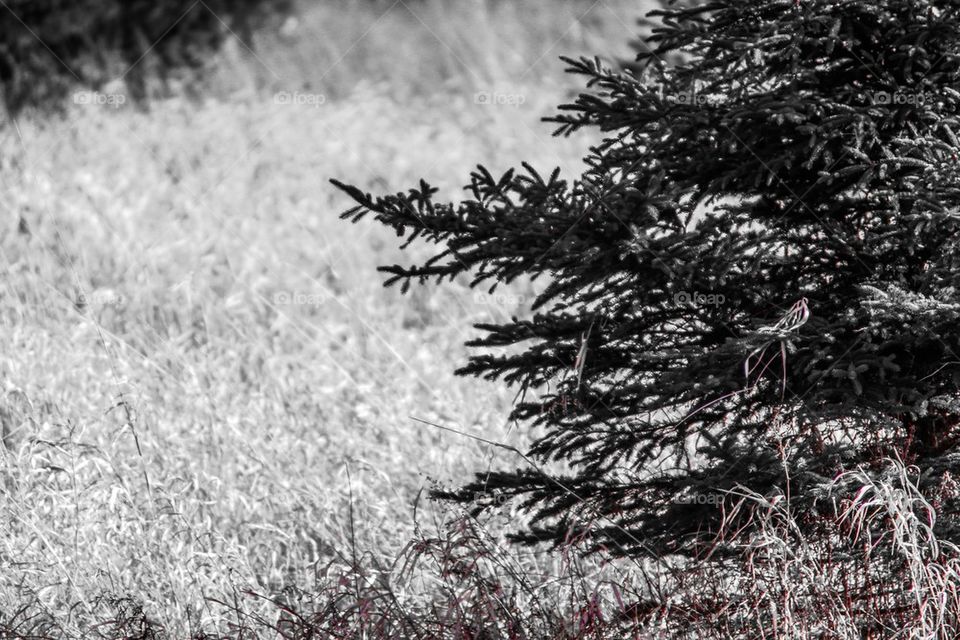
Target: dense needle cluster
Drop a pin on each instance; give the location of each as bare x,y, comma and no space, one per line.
804,326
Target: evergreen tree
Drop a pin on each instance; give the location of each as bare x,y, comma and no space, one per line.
804,326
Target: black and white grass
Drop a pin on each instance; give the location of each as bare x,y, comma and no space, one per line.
706,336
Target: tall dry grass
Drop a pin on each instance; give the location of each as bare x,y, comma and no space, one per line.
208,398
207,393
426,47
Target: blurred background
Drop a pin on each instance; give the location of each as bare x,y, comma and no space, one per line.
206,390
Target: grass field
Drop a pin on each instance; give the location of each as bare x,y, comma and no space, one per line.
208,393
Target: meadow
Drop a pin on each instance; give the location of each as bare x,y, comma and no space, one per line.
212,409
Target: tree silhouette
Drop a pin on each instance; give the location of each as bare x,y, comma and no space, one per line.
805,326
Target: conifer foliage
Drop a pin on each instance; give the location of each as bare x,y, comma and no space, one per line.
806,326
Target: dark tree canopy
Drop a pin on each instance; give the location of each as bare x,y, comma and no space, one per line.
804,326
49,46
